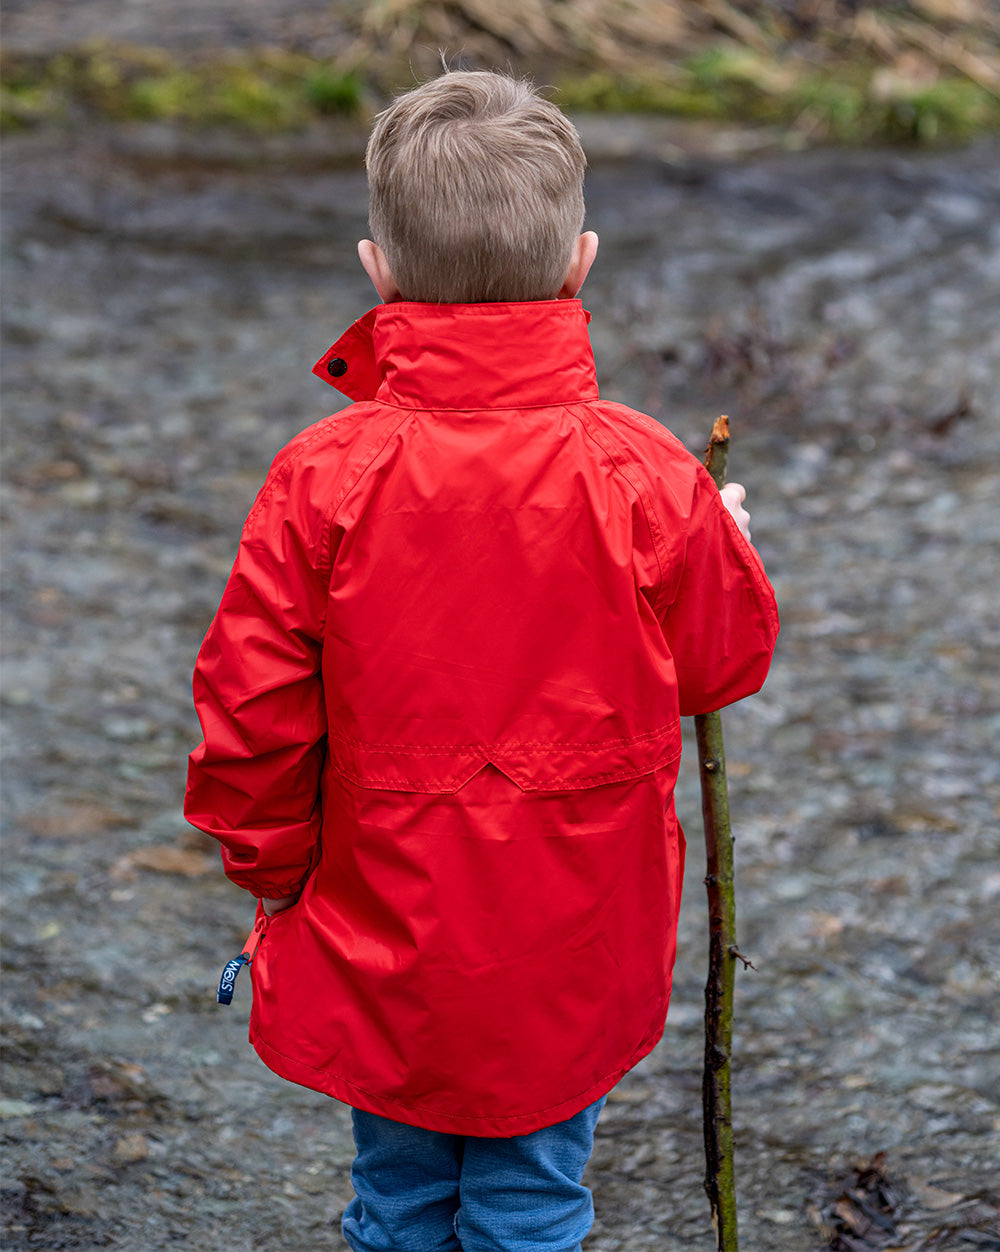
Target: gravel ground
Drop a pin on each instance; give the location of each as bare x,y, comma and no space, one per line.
166,297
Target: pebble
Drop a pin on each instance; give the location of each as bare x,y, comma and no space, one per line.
130,1149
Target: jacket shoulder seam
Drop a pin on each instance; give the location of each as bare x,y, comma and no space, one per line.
280,477
365,459
641,489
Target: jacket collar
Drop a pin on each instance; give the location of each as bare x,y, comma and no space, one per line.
463,356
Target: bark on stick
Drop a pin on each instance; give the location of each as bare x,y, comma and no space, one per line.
720,1182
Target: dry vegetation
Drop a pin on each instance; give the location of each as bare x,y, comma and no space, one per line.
831,69
840,70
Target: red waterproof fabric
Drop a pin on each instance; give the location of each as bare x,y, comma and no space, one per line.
442,696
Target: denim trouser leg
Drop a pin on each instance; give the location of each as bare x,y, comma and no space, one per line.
524,1194
414,1187
406,1188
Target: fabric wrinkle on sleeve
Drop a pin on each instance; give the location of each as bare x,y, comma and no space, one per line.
253,782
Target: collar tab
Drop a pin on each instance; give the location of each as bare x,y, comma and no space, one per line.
465,356
350,364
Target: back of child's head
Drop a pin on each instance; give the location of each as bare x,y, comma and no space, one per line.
476,188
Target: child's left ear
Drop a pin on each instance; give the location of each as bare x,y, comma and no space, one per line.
377,268
584,251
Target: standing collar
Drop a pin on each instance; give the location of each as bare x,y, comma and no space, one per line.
464,356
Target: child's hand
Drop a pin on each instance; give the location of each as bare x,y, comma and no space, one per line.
278,904
733,496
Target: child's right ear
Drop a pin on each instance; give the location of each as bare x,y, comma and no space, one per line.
584,252
377,268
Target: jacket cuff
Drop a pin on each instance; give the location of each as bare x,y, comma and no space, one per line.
263,884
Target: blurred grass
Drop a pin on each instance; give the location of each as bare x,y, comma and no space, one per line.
267,90
851,105
845,71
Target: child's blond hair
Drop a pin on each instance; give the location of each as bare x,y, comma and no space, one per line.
476,190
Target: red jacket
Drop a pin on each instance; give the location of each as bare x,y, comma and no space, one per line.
442,696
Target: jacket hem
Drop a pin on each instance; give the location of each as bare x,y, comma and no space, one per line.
485,1126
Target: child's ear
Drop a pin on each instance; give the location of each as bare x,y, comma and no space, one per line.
584,251
377,268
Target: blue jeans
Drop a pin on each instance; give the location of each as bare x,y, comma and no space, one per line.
422,1191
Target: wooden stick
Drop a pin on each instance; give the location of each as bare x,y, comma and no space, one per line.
720,1183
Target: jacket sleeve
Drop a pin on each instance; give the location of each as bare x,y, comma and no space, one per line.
254,781
718,612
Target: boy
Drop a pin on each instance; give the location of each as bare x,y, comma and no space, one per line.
441,696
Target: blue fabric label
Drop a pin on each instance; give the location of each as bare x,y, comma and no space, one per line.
227,983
